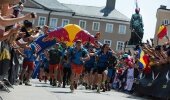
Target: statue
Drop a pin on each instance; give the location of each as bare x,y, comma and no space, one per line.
136,26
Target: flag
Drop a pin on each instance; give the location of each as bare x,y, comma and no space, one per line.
141,56
147,68
38,47
144,61
162,32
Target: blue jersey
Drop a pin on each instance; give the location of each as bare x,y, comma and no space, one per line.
66,65
29,55
46,63
75,55
103,59
44,60
90,63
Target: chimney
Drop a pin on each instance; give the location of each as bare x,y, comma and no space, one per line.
110,4
162,7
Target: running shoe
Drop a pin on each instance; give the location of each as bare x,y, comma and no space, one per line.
28,84
71,88
98,90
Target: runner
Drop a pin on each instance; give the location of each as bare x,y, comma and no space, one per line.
66,65
77,55
44,70
66,70
55,56
89,66
102,64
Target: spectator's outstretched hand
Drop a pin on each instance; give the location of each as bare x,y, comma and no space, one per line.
30,16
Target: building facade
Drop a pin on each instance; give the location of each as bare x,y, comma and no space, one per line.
113,25
163,17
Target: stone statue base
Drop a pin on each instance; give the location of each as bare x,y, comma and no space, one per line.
130,48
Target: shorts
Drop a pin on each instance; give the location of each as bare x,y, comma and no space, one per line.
88,69
53,67
94,70
60,67
46,70
110,73
77,69
100,70
28,64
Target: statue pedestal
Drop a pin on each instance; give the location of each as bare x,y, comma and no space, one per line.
130,47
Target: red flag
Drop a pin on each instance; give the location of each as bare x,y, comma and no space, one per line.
162,32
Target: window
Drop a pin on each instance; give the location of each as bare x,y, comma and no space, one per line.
165,22
82,24
41,21
53,22
109,28
120,45
122,29
108,42
96,26
65,22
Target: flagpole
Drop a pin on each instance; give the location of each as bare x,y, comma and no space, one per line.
157,40
137,35
167,35
137,4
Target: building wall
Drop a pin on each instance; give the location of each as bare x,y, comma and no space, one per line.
114,36
162,14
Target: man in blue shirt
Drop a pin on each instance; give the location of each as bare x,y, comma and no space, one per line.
54,56
77,55
89,67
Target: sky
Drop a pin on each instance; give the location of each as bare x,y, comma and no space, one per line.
148,9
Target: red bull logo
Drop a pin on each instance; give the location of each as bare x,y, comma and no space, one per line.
84,36
59,34
69,34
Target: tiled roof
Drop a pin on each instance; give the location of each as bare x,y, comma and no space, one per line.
52,5
81,10
98,12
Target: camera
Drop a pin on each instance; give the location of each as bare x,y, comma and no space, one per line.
17,9
158,48
33,15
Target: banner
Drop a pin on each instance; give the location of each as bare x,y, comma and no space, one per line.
41,45
68,34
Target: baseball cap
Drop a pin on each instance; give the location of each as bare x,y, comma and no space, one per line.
78,41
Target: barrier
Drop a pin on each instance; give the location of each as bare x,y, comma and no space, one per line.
156,83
